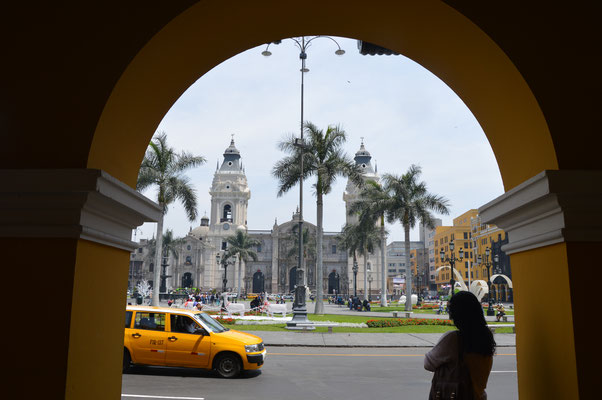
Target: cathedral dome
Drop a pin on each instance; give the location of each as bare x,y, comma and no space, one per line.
202,230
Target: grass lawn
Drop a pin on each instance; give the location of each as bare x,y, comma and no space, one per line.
354,319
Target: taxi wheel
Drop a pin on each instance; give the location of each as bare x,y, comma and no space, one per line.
228,365
127,360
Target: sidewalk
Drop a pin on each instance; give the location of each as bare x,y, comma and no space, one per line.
319,339
315,339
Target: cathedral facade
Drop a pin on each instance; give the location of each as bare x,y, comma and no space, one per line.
196,261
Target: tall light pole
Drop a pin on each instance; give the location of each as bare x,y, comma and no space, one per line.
369,287
452,261
225,262
299,305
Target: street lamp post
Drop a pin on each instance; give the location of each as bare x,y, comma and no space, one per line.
225,262
370,287
164,276
452,261
355,269
487,264
299,306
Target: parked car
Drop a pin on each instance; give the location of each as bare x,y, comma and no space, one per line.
187,338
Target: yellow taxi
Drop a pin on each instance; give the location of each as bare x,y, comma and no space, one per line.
186,338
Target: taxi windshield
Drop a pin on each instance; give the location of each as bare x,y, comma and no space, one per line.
209,322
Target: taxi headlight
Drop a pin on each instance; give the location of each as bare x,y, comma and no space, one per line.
252,348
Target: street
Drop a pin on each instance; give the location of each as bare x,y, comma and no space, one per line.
293,373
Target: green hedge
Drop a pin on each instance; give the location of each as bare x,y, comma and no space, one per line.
392,322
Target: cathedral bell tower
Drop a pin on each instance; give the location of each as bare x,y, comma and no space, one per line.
230,196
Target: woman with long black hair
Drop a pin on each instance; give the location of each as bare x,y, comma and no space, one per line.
471,347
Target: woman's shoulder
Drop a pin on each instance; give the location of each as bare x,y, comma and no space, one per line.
450,336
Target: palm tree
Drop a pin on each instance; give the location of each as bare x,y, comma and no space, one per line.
349,239
163,167
408,201
360,239
323,157
370,209
412,203
240,245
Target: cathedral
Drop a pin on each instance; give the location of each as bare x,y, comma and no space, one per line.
197,264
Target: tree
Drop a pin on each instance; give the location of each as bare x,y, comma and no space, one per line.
324,159
360,239
412,203
163,168
370,209
240,245
404,199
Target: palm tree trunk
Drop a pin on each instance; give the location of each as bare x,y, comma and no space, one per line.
319,309
383,297
365,272
406,232
158,262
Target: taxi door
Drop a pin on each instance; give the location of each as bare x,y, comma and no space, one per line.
188,344
148,338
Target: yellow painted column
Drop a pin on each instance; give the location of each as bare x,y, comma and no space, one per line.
545,343
97,321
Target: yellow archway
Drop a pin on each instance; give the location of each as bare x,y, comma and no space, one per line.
205,35
110,93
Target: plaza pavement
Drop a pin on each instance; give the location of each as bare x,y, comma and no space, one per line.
319,339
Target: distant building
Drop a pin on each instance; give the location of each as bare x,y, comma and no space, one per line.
460,234
196,264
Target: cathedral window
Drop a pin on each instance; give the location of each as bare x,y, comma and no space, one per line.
334,249
151,267
227,214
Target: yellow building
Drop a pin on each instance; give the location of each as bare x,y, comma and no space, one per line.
488,236
460,233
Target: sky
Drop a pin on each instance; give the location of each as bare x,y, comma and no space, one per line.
405,114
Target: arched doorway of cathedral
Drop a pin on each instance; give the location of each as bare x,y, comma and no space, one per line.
469,61
258,282
333,282
187,280
292,279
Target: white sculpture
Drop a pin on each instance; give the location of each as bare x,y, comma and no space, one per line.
233,308
402,299
272,309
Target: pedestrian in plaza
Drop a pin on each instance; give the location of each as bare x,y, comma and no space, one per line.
462,359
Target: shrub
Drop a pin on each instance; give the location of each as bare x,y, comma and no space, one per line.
393,322
225,321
